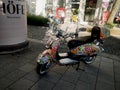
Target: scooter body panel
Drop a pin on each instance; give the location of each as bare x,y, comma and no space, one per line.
67,61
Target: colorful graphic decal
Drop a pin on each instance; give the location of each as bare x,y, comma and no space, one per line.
59,12
86,49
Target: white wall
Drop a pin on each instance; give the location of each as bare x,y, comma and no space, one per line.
40,7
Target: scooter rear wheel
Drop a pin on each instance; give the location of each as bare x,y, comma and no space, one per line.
89,60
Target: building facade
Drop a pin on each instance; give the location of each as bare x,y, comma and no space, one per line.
89,10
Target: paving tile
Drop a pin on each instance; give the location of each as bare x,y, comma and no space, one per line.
10,67
36,47
22,84
28,54
21,60
104,86
107,69
35,87
106,76
117,77
106,65
6,60
110,56
114,57
52,77
107,59
3,73
34,62
117,67
20,63
64,85
92,69
105,55
88,78
33,76
117,86
27,67
15,75
96,61
4,83
71,75
59,69
84,86
42,85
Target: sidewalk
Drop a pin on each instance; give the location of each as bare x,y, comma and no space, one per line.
17,71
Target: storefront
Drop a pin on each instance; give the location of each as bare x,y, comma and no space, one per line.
90,8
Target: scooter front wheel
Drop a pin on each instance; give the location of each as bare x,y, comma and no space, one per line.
41,68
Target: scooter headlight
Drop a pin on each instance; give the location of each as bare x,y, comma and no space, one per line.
38,60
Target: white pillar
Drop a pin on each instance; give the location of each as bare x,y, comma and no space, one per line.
98,10
13,25
82,10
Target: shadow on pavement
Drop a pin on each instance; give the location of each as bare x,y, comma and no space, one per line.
112,45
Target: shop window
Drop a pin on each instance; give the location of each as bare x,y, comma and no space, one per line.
75,0
90,10
75,6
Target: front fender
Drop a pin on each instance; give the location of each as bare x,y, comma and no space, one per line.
44,57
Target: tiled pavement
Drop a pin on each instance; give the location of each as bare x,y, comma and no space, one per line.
17,72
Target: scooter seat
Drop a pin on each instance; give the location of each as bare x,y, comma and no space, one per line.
66,61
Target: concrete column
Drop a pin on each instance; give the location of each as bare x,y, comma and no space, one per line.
13,26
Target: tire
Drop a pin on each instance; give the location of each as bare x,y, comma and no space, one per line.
41,69
89,60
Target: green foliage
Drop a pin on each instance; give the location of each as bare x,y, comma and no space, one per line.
37,20
110,25
76,11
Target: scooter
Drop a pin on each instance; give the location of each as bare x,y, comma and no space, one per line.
84,53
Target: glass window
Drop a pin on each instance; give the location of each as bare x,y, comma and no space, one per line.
75,0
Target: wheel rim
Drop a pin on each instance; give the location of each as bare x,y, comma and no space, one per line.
89,60
43,69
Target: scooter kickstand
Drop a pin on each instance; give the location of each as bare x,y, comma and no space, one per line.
79,68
